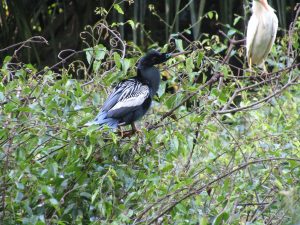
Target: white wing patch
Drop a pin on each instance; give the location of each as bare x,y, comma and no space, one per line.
274,28
133,95
118,90
272,31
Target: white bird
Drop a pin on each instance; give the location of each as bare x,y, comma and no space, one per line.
261,32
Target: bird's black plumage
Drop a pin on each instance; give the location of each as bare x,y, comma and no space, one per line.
131,98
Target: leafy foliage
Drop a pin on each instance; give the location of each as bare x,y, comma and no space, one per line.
213,160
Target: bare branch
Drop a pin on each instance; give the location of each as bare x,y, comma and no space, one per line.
34,39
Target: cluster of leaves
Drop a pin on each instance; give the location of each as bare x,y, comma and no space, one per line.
200,165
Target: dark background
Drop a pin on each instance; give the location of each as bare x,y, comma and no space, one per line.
61,22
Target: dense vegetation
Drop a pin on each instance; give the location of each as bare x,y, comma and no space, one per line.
220,144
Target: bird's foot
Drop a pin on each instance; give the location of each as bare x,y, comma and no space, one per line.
135,129
120,132
265,74
126,134
265,68
131,132
250,64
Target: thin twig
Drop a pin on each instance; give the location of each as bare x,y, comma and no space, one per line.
34,39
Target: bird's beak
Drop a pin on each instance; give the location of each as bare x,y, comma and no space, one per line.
264,3
172,55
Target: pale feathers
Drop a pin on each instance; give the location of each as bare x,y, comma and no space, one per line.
261,33
131,98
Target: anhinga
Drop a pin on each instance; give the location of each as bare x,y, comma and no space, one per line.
261,32
131,98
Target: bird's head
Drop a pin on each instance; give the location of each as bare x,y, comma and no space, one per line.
154,57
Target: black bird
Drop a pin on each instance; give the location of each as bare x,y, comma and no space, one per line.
131,98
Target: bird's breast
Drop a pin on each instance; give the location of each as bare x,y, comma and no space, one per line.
151,77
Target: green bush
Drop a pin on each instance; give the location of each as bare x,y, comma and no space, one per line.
216,159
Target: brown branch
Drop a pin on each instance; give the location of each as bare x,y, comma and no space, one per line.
253,204
34,39
21,100
233,41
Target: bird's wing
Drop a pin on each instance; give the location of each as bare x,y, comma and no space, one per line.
273,36
275,27
116,93
131,96
251,32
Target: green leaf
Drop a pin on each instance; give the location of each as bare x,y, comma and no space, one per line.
97,53
174,143
162,89
20,186
117,60
53,201
125,65
94,196
89,152
236,20
7,59
210,15
86,195
53,169
118,8
179,44
221,218
203,221
89,54
231,32
131,23
19,197
182,208
199,58
100,52
189,65
69,208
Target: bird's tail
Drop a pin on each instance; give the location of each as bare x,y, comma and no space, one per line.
101,119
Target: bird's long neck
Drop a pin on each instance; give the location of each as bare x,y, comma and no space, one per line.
149,76
259,7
